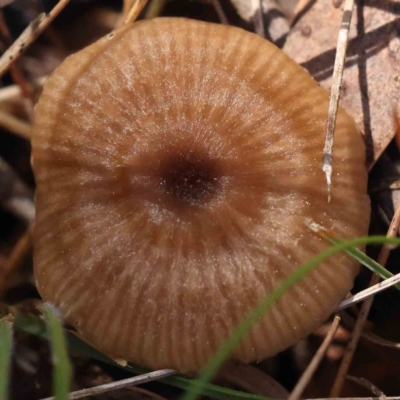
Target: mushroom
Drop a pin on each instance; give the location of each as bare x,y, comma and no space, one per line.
176,162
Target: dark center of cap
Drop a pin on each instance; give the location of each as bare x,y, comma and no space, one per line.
190,180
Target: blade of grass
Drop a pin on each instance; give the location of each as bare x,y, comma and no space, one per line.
368,262
241,330
355,253
61,364
5,356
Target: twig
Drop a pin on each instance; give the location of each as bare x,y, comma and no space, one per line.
15,125
335,91
372,337
358,398
155,9
29,35
13,92
366,384
363,314
127,5
219,10
371,291
14,195
368,335
259,20
312,367
135,10
108,387
16,74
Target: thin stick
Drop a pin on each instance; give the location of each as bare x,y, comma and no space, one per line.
13,92
379,341
312,367
335,91
363,314
16,74
28,36
16,197
219,10
371,291
368,335
259,20
366,384
359,398
155,9
127,5
108,387
134,12
15,125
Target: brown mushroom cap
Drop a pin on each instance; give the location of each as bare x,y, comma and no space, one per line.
176,163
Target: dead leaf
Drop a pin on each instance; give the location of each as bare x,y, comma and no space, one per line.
370,90
252,380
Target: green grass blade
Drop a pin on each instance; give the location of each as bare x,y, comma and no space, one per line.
5,356
61,365
241,330
363,259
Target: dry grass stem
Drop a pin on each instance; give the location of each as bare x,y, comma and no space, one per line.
219,10
14,92
23,208
16,74
155,9
28,36
313,365
349,321
15,125
135,10
371,291
127,5
366,384
363,314
335,91
258,20
15,196
379,341
358,398
109,387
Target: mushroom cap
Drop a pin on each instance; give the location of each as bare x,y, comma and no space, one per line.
176,162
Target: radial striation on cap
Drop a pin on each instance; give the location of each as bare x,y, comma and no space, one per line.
176,162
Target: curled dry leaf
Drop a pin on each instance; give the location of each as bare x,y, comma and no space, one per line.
372,63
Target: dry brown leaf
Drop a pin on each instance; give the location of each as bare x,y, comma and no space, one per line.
370,90
253,380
